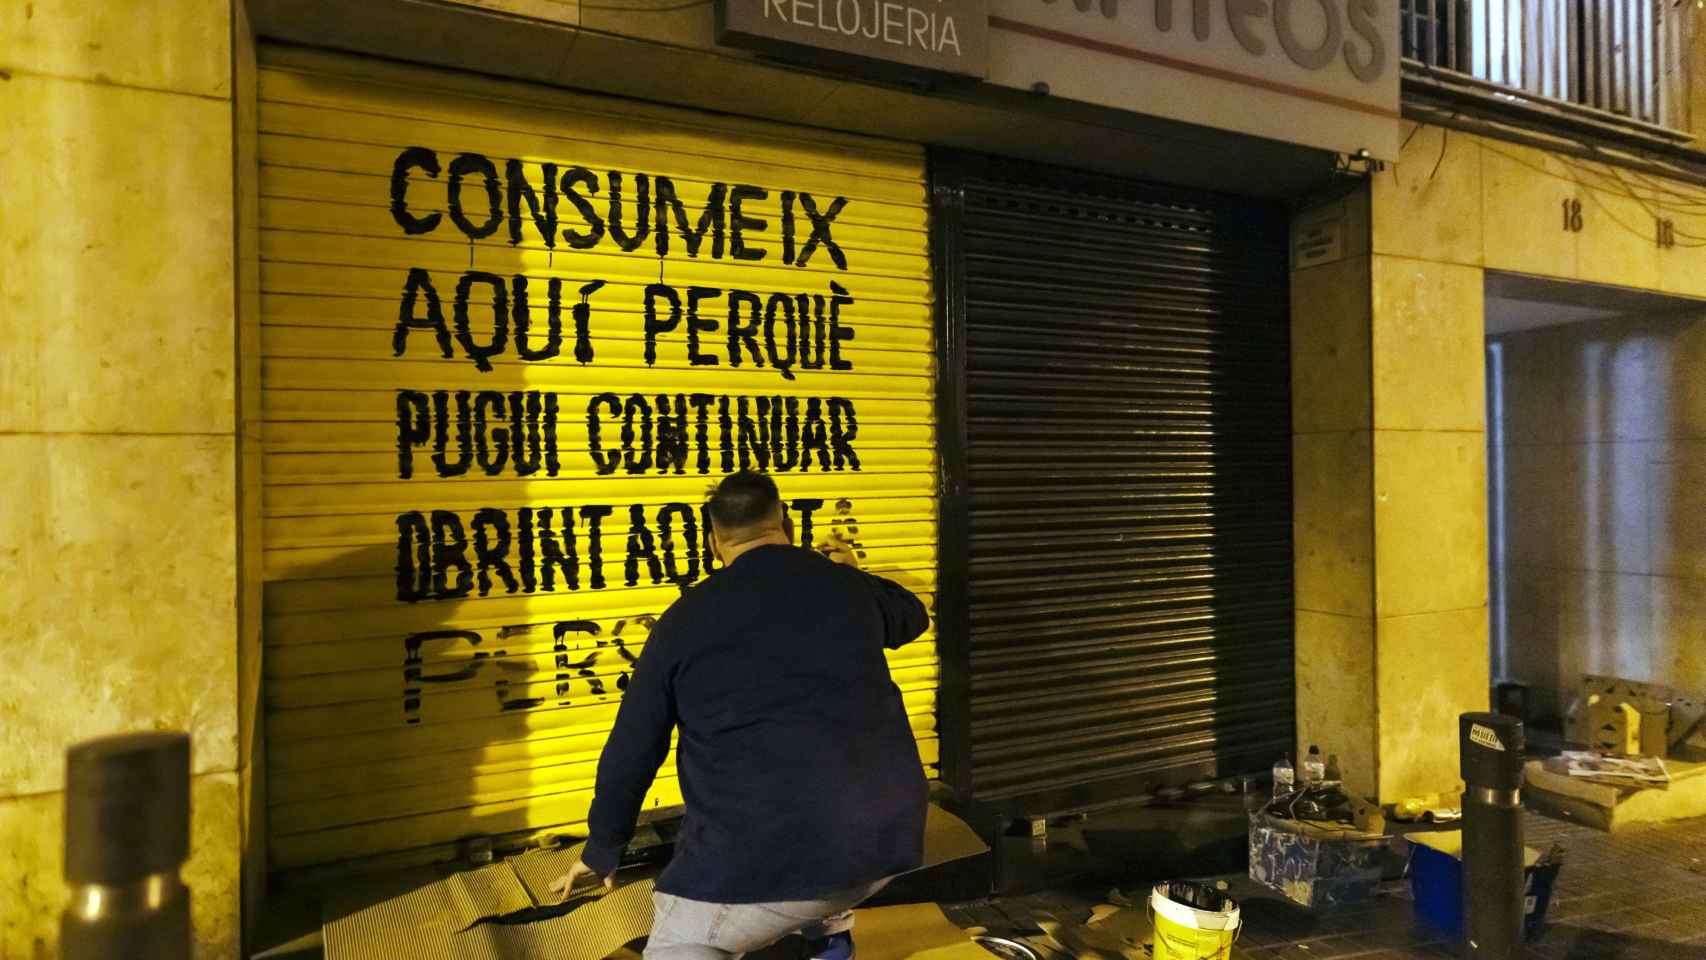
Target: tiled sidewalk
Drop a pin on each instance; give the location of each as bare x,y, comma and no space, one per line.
1637,895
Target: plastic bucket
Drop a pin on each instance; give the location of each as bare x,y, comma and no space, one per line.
1193,921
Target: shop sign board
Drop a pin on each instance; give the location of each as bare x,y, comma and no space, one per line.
1322,73
939,36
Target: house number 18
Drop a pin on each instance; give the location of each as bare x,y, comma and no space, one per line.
1573,215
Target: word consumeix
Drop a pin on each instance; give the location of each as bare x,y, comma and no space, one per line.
483,316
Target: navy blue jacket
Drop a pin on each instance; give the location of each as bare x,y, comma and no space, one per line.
799,769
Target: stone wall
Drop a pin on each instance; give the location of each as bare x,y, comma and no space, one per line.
1389,415
119,428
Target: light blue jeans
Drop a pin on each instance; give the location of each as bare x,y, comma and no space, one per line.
692,930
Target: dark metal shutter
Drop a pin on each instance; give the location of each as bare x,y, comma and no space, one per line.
1116,417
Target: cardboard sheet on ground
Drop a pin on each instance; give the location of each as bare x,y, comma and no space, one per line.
1130,926
506,911
903,932
361,924
593,930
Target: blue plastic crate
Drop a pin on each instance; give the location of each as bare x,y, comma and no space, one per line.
1436,882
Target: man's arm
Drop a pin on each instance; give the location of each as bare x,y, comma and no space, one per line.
904,616
636,748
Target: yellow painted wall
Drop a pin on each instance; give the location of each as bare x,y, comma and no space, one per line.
1390,420
118,428
404,718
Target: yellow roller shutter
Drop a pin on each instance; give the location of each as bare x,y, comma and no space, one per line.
495,395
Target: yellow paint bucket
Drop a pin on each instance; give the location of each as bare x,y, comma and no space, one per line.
1193,921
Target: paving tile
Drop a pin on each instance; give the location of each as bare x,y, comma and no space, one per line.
1337,923
1553,935
1256,937
1337,947
1619,921
1689,911
1331,949
1672,903
1288,928
1589,905
1656,950
1375,942
1400,919
1582,943
1263,938
1678,930
1630,896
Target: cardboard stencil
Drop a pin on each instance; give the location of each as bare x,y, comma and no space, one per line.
506,911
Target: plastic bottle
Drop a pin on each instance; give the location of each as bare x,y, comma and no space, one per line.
1334,775
1285,779
1314,767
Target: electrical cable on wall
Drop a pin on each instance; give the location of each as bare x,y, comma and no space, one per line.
1401,148
1655,215
1444,138
1575,169
1627,190
1562,146
1681,200
1657,193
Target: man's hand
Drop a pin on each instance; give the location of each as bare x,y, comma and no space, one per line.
579,878
839,549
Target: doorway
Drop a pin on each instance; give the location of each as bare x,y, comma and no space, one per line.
1596,432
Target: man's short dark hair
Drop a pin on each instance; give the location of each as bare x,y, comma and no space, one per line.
742,500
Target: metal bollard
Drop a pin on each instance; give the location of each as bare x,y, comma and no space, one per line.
127,835
1491,763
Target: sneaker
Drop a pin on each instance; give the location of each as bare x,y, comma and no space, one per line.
837,947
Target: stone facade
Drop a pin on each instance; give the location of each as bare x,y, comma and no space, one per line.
1389,415
120,428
